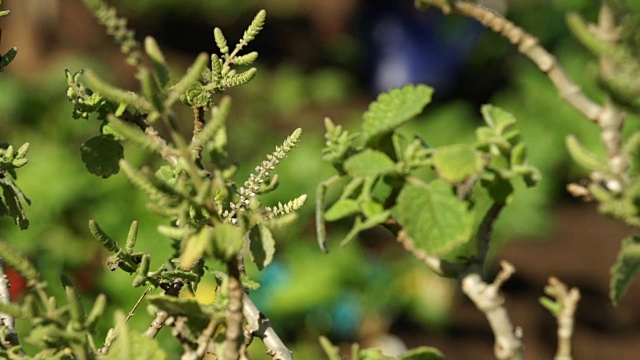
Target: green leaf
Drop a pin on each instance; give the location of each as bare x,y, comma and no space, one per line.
371,207
584,157
227,242
189,307
247,59
332,351
625,269
8,57
195,247
118,95
373,354
220,40
130,344
156,58
497,118
150,89
434,217
342,208
456,163
392,109
134,134
192,75
262,245
423,353
551,305
101,155
197,96
368,223
369,163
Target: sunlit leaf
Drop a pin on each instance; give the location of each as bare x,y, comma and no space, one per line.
373,354
434,217
369,163
189,307
392,109
342,208
195,247
497,118
423,353
456,163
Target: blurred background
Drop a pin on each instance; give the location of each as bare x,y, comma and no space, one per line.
317,59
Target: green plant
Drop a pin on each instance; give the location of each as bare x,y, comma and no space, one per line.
441,202
207,215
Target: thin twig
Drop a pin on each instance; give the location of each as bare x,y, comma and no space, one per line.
485,230
433,262
135,306
489,300
162,316
607,116
529,46
178,330
205,338
112,334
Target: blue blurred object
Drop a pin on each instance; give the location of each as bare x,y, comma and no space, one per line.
407,46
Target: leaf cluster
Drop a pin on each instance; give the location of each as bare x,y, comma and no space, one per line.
13,200
420,353
56,329
209,219
433,193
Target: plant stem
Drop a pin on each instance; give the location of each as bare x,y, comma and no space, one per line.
530,47
198,124
235,317
612,119
259,325
485,229
489,300
565,317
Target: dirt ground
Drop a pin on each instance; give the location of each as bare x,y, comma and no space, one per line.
580,253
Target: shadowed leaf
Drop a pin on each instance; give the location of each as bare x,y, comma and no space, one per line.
101,155
626,268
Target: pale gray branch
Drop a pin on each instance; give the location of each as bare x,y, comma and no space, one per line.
529,46
489,300
259,326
